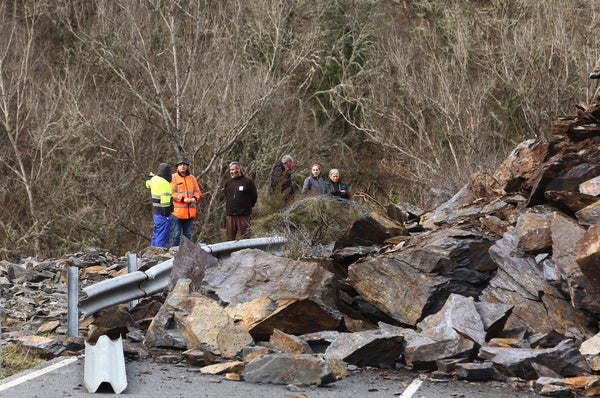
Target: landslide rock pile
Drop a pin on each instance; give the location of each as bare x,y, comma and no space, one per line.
500,282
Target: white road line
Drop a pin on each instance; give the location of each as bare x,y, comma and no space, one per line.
411,389
37,373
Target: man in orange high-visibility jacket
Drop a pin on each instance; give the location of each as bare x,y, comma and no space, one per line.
186,194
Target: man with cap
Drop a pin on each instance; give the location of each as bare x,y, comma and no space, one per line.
162,205
186,194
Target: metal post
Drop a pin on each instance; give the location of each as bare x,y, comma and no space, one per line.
72,301
132,267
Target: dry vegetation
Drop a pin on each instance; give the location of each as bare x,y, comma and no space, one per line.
14,360
407,98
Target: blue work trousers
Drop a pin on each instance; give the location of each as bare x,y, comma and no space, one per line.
181,226
161,231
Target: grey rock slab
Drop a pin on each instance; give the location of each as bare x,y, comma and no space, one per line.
299,369
367,348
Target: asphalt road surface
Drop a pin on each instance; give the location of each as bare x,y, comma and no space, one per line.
145,379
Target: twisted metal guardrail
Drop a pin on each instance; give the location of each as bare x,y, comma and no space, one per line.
138,284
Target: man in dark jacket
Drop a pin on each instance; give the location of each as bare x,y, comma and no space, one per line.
281,178
240,198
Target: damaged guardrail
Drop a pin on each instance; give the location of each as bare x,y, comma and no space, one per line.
140,284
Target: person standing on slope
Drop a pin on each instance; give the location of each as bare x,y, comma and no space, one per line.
314,184
240,198
335,186
186,194
162,205
281,178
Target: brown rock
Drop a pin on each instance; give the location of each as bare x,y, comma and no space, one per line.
202,321
581,382
145,310
233,376
571,202
507,342
97,269
590,187
289,343
589,215
251,352
553,390
222,368
519,168
562,173
41,347
594,362
113,322
199,356
588,255
48,327
566,234
495,224
297,317
533,233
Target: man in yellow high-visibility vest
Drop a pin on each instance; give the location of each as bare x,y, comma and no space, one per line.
162,205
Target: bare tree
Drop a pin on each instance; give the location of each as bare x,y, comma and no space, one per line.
407,98
30,101
182,79
455,87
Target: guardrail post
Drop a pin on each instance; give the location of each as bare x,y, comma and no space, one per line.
132,267
72,301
